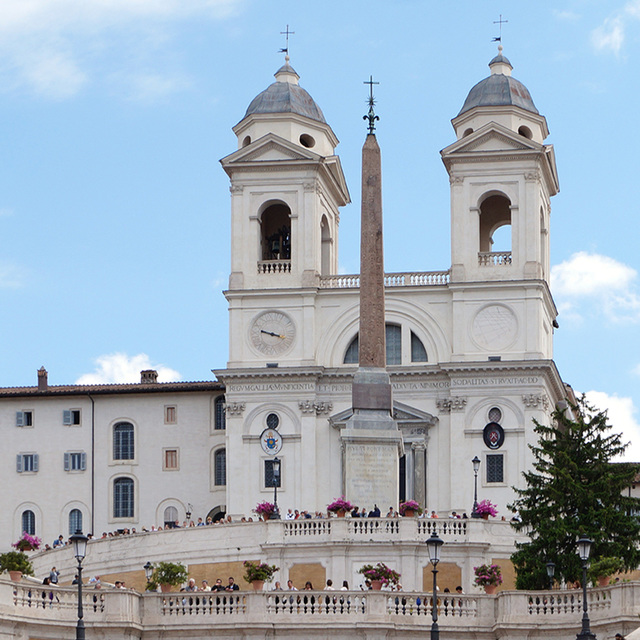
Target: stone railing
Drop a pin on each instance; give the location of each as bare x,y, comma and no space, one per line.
408,279
274,266
121,613
494,258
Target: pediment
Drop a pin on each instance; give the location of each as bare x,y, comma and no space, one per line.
270,148
491,138
403,414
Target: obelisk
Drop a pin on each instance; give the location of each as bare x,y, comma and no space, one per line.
371,440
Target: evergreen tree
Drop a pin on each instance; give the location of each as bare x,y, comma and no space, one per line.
575,489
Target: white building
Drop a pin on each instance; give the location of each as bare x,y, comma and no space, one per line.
469,350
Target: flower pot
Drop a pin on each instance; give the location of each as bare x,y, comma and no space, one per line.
257,585
409,513
604,581
165,588
485,516
341,513
16,576
490,588
265,517
376,585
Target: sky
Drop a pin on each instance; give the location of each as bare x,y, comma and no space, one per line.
114,210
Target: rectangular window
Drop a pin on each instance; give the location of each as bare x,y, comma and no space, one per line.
495,468
71,417
27,462
268,475
170,460
24,418
75,461
170,414
123,498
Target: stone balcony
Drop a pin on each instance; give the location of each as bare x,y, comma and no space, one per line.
34,610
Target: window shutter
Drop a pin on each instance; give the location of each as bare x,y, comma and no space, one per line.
83,461
35,461
67,464
19,463
66,417
20,418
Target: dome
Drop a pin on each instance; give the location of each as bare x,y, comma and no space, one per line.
499,89
285,95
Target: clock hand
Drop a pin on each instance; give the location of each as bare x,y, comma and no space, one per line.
270,333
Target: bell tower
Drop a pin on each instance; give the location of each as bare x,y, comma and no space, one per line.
287,186
502,177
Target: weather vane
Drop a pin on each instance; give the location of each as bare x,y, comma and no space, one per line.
500,22
371,116
286,33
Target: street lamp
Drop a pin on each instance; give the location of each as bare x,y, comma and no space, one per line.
79,542
275,466
148,571
189,511
476,466
433,545
551,570
584,548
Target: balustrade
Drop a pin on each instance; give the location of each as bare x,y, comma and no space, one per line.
494,258
274,266
405,279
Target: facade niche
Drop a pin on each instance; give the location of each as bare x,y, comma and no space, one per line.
276,232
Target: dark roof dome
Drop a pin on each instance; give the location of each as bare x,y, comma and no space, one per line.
285,95
499,89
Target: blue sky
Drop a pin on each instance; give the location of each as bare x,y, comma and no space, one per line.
114,211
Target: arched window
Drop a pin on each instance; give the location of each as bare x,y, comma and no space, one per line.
495,213
325,249
170,516
276,232
393,340
29,522
418,352
75,521
219,416
123,498
220,468
123,441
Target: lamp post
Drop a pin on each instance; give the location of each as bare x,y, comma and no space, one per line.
476,466
551,570
148,572
79,542
584,548
276,481
189,511
433,545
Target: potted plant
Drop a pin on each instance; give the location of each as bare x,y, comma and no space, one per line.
27,542
257,573
380,575
169,574
600,571
265,509
486,508
488,576
340,507
409,508
16,563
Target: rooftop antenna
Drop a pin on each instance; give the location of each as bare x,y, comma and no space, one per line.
286,33
500,22
371,116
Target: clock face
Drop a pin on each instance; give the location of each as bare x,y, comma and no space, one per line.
272,333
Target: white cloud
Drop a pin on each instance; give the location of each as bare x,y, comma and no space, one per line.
609,35
120,368
151,87
566,15
621,413
11,277
55,47
600,280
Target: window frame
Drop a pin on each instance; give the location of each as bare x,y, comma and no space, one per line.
69,456
21,463
170,409
114,443
216,455
263,482
116,481
30,530
69,417
165,460
498,483
219,414
25,418
72,530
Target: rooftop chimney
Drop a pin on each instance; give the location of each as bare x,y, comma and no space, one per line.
43,382
148,376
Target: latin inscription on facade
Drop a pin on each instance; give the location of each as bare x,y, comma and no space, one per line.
371,474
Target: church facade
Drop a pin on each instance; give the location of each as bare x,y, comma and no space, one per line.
469,350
